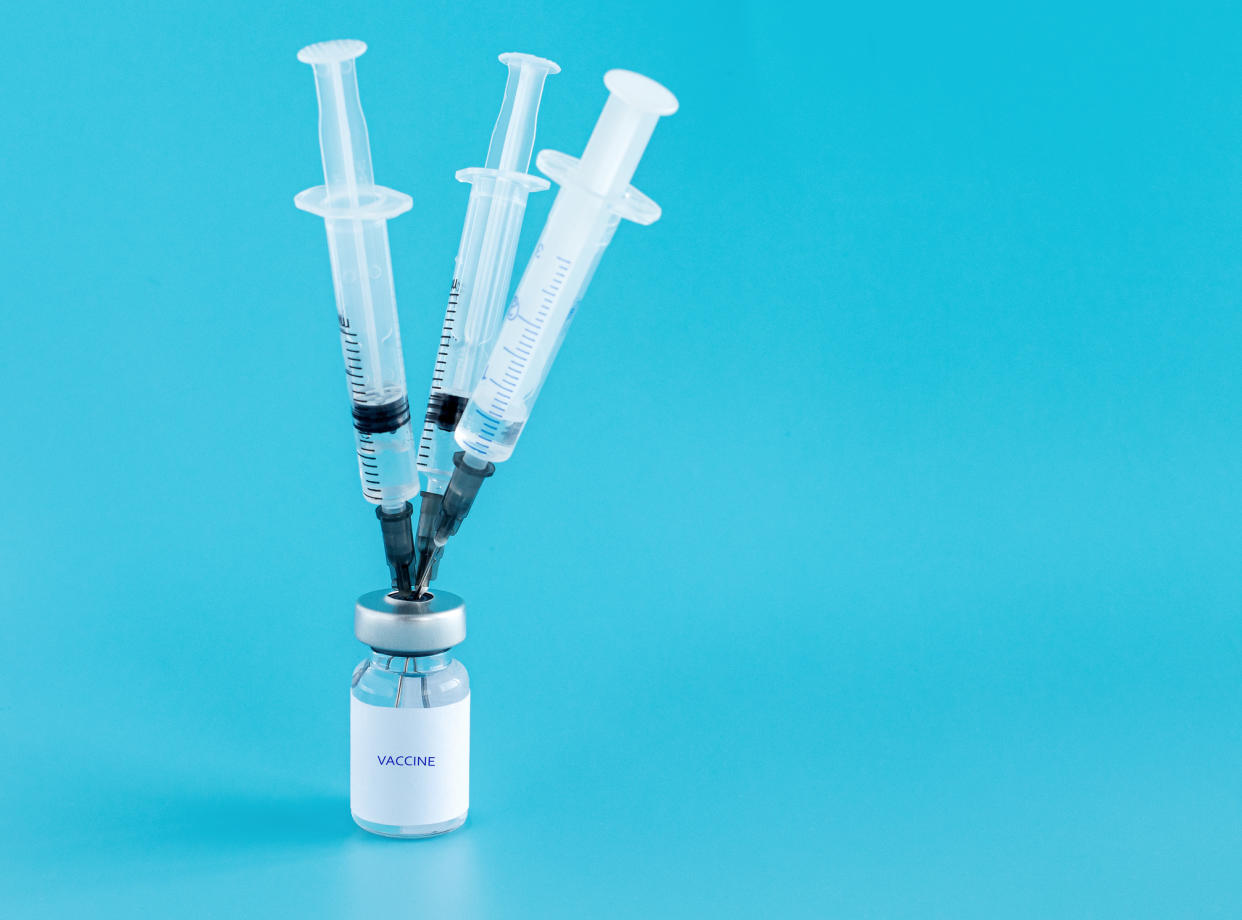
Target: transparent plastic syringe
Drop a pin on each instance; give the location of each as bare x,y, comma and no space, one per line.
356,213
595,194
481,273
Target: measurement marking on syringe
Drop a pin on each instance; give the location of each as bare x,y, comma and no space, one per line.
369,467
434,402
522,350
353,361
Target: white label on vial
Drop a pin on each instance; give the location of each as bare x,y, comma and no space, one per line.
409,766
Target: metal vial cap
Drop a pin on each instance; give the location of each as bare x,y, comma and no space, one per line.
391,624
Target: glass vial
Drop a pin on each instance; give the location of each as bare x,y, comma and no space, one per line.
409,722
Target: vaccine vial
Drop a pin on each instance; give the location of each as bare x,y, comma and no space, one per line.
409,717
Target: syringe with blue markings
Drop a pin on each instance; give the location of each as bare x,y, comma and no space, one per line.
595,194
356,213
481,274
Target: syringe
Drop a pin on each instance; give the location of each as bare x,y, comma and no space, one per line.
355,211
595,194
481,274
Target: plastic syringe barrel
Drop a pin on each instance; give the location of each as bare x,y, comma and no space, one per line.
356,213
595,194
484,263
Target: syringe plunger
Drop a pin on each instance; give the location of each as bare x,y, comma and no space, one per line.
513,135
343,140
622,132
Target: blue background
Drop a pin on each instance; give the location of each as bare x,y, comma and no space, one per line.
873,552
